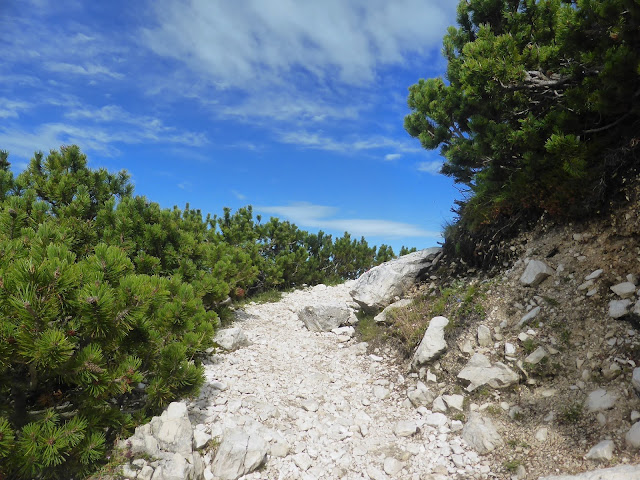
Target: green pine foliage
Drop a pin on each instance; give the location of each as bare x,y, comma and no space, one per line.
108,303
539,109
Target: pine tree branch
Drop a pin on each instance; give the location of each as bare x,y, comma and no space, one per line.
607,127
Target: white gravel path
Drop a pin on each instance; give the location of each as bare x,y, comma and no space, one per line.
328,409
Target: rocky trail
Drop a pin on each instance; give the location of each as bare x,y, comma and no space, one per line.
327,409
314,403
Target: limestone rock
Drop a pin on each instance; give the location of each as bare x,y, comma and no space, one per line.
602,452
536,356
484,336
619,308
324,317
479,371
433,344
599,400
405,428
529,316
454,401
633,436
621,472
535,273
173,429
177,467
420,395
377,288
541,434
200,438
624,290
480,434
436,419
439,405
382,316
303,461
231,339
146,473
344,331
635,380
239,453
595,274
392,466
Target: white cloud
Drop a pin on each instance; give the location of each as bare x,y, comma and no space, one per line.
11,108
291,61
286,106
89,69
147,128
238,195
263,41
319,141
392,156
430,167
96,138
301,212
308,215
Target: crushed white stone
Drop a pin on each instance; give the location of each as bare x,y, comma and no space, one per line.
321,401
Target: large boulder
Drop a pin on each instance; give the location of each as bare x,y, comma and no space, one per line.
378,287
239,453
433,343
324,317
480,371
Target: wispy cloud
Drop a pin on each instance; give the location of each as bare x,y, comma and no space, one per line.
97,138
318,141
287,106
392,156
323,217
432,167
264,40
283,62
12,108
238,195
88,69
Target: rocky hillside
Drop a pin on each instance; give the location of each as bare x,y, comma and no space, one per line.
563,317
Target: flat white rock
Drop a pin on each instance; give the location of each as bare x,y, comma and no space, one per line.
624,289
602,452
535,273
599,400
480,433
433,344
479,371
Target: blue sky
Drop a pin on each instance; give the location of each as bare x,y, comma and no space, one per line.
294,107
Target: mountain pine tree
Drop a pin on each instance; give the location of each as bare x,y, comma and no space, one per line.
108,303
539,107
